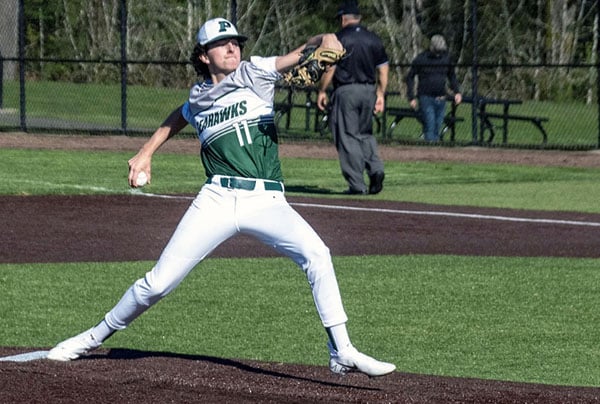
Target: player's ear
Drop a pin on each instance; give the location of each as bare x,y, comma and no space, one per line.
203,58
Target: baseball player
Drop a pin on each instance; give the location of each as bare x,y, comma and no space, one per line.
232,111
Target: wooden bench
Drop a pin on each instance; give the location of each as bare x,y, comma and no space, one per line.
400,113
322,123
537,121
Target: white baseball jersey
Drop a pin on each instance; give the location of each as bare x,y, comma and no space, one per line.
234,122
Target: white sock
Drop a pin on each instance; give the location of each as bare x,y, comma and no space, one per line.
338,335
102,331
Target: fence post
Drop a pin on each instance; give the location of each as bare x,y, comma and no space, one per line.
598,70
233,11
124,66
474,73
308,104
1,80
22,114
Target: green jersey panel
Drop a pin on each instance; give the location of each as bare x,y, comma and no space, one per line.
234,122
248,150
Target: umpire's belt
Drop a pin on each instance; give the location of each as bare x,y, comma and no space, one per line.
246,184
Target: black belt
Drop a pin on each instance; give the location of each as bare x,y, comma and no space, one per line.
248,185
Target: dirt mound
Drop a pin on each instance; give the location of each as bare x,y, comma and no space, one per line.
127,376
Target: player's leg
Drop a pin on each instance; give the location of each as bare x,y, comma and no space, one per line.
268,216
207,223
277,224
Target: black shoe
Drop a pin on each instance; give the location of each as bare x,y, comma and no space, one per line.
351,191
376,184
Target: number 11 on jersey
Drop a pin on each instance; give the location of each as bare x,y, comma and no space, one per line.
238,132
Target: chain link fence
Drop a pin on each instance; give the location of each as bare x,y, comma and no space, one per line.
525,106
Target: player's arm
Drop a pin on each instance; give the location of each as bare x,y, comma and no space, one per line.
142,161
285,62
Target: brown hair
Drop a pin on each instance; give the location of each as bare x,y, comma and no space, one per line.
200,67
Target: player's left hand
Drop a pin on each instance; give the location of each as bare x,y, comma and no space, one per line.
313,63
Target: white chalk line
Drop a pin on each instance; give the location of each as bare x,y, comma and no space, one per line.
72,186
413,212
25,357
455,214
137,191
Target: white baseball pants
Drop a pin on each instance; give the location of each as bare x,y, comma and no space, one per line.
216,214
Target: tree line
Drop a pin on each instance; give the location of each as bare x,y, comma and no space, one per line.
522,45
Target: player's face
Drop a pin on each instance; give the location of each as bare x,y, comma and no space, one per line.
223,56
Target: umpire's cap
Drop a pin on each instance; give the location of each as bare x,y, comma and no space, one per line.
348,7
217,29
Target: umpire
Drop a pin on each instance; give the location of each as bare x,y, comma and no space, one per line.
359,85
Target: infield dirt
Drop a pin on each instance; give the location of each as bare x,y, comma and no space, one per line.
128,376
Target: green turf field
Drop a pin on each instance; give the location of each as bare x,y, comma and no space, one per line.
521,319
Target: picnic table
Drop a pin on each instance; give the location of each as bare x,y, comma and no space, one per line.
486,117
398,114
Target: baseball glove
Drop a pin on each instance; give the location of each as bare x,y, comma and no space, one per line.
313,63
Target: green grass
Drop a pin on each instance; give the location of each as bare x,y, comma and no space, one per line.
521,319
95,103
492,185
39,172
518,319
571,124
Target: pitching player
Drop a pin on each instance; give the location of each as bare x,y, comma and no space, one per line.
232,111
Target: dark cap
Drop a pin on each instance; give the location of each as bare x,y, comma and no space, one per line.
348,7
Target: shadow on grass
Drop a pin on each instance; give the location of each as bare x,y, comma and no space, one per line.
305,189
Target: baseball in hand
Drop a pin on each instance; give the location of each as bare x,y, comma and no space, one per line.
142,179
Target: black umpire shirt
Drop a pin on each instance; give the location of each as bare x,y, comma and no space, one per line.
365,52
